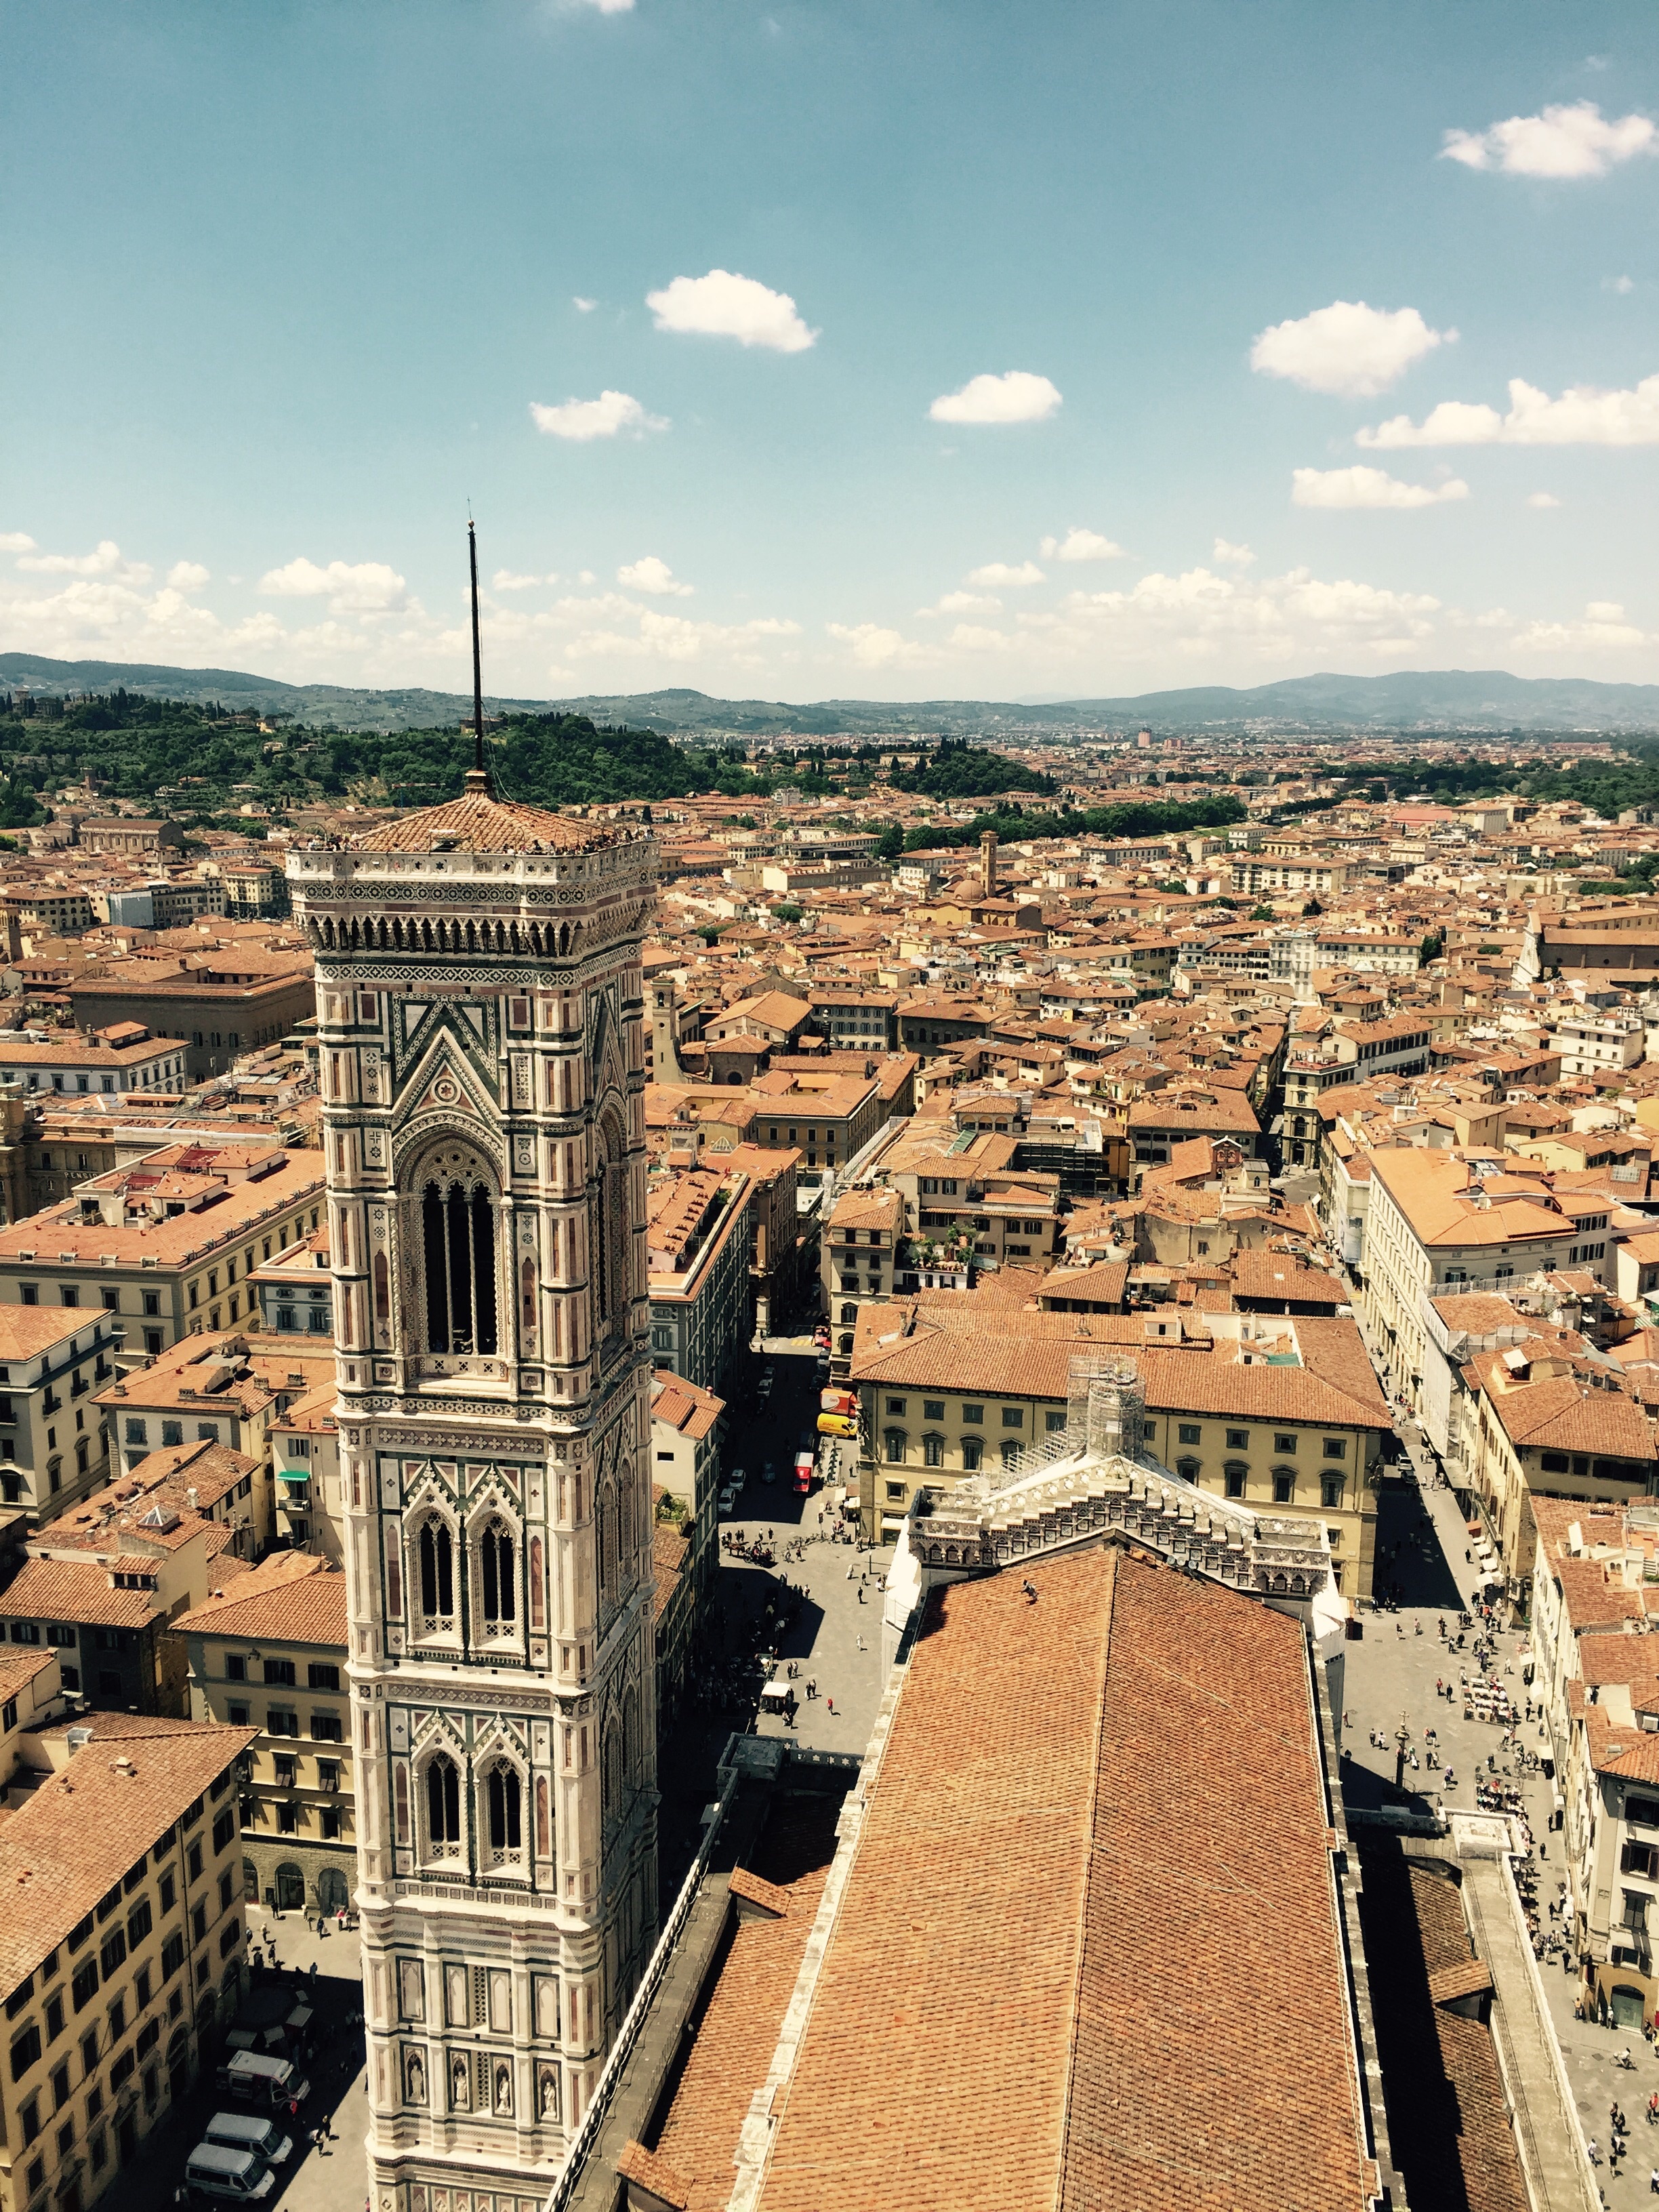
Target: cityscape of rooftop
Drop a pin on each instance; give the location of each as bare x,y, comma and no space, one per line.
829,1110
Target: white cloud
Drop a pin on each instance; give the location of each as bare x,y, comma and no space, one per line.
1348,347
1603,627
660,637
186,576
871,646
1015,396
964,602
651,575
1563,142
972,637
104,561
581,420
722,305
508,580
1203,617
1000,575
351,587
1542,499
16,541
1080,544
1363,487
1622,285
1231,557
582,307
1583,416
604,6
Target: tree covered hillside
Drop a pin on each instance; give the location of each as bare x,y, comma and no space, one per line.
194,761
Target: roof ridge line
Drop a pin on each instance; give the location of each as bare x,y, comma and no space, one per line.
1115,1561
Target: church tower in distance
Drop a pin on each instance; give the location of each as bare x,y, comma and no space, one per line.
482,1066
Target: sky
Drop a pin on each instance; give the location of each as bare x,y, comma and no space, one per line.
890,348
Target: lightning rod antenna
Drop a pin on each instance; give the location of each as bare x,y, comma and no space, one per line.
477,664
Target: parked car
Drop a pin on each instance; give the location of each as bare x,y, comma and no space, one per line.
250,2131
215,2170
259,2077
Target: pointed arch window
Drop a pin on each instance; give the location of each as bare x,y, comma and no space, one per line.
437,1555
458,1249
503,1809
495,1575
443,1806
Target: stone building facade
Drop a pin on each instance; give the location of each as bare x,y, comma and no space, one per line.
482,1069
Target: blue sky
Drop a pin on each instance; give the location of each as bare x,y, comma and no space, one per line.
831,347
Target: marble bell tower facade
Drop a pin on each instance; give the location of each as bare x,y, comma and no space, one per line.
481,1066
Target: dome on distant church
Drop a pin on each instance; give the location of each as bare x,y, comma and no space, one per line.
478,822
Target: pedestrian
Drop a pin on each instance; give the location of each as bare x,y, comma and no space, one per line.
860,1593
830,1702
1653,2182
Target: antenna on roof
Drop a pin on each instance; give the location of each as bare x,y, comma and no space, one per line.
477,779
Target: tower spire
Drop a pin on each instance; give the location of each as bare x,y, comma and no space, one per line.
477,779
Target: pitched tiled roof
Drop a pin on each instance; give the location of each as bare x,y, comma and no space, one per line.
1448,2127
732,2051
475,823
1028,1356
19,1669
74,1590
990,2026
76,1836
294,1597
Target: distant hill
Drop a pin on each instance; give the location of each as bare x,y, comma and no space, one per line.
1424,700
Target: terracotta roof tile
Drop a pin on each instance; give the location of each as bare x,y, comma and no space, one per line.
79,1831
1448,2129
732,2051
475,823
294,1597
74,1590
989,2026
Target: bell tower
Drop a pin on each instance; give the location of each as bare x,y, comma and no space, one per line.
481,1037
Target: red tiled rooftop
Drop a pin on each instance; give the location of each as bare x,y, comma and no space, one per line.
1073,1791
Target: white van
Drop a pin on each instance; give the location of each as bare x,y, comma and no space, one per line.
250,2131
216,2171
259,2077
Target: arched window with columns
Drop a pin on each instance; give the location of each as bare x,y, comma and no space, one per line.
443,1807
608,1232
435,1552
456,1207
497,1587
503,1811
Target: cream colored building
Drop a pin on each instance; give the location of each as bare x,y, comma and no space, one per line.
128,1956
166,1245
1273,1411
1437,1222
271,1654
52,1448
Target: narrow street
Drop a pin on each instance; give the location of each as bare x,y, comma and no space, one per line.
1391,1674
825,1606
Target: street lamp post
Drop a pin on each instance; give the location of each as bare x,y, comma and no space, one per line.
1402,1737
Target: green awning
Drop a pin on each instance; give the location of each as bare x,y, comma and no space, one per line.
294,1474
